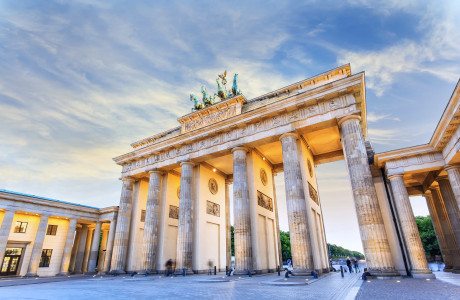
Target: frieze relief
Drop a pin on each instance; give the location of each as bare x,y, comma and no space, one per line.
220,115
236,133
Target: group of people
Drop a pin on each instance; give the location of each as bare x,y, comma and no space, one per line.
355,265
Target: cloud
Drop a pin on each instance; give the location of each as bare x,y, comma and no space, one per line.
436,53
373,117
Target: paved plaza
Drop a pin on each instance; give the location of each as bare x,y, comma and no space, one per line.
331,286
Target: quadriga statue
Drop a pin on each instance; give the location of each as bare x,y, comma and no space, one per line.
197,104
207,99
235,89
221,93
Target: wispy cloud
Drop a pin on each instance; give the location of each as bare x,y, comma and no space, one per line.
373,117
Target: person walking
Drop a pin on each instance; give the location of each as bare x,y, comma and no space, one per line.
349,264
355,264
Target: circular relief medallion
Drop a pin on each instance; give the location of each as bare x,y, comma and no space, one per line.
213,188
310,168
178,192
263,176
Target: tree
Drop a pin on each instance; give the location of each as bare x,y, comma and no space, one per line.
285,245
428,236
340,252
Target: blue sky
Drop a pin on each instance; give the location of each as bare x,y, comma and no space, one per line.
82,80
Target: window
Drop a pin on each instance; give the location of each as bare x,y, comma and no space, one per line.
46,258
143,215
51,230
20,227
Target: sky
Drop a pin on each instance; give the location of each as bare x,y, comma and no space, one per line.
81,80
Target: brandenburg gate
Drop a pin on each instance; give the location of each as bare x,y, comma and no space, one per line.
175,198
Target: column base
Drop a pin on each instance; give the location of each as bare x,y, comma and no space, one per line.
91,273
149,272
301,272
181,272
447,269
456,270
117,272
423,275
384,274
243,272
31,275
63,274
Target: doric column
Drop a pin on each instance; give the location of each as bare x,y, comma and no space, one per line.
370,220
94,248
73,257
109,248
102,250
302,259
409,228
241,215
150,238
451,206
123,223
78,268
65,262
449,235
89,238
38,246
453,172
278,237
228,233
5,232
185,227
445,252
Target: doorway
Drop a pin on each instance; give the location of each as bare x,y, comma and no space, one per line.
10,264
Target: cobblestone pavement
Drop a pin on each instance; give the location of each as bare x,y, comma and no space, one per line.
331,286
409,288
191,287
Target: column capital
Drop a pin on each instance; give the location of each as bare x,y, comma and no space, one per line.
191,163
341,121
228,181
127,178
442,177
293,134
394,176
448,167
240,148
155,171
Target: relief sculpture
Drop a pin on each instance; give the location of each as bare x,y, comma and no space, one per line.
213,209
264,201
174,212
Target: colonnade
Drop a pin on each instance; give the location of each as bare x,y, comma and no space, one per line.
81,247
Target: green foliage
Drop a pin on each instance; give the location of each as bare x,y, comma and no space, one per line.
428,236
233,241
285,245
340,252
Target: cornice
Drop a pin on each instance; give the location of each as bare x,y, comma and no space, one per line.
310,97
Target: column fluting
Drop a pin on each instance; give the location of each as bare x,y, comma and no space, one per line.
453,172
409,228
94,248
446,225
109,248
5,231
241,213
185,227
73,256
228,234
65,262
370,220
150,238
120,245
278,238
451,206
78,268
302,259
38,246
445,252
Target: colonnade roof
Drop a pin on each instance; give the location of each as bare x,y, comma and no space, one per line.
446,127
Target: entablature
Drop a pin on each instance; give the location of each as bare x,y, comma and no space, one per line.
326,103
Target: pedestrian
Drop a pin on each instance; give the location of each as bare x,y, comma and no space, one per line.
349,264
289,263
355,264
169,267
